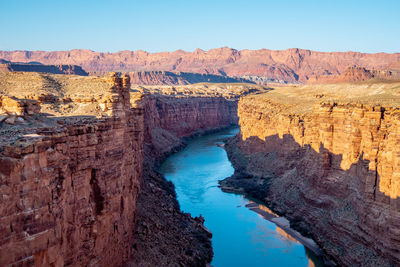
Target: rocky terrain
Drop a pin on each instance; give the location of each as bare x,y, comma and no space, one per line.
78,160
177,78
291,65
7,66
327,158
356,74
69,183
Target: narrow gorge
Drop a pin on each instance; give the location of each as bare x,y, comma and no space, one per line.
78,169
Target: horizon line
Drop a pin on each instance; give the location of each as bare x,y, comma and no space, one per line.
197,49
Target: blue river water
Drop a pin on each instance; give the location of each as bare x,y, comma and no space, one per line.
241,237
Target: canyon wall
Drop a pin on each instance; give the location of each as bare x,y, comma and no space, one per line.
173,113
74,152
69,191
291,65
170,117
177,78
331,167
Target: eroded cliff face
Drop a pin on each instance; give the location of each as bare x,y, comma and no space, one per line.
173,113
331,167
177,78
69,190
170,117
356,74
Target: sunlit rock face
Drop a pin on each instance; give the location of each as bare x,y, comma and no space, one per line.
69,191
332,168
346,134
264,65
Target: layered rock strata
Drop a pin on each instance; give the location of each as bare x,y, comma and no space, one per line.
177,78
290,65
69,191
356,74
330,166
170,118
173,113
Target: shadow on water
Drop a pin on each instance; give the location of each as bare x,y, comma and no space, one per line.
241,237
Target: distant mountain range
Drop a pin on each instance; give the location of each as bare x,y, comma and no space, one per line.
291,65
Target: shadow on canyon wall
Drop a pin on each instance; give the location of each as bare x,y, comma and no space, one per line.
345,211
321,168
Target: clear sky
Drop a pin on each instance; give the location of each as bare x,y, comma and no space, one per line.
109,26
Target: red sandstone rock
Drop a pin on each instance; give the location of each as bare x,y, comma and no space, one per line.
169,118
69,194
355,74
334,171
289,65
69,190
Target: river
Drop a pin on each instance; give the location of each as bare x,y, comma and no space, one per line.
241,237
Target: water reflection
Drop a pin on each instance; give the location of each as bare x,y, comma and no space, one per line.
241,237
285,236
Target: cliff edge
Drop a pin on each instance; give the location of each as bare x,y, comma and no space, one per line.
327,158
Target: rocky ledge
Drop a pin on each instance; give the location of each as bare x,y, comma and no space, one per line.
68,183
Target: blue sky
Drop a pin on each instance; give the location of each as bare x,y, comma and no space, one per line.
109,26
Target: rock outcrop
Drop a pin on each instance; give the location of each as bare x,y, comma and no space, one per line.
7,66
69,192
330,166
291,65
20,107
